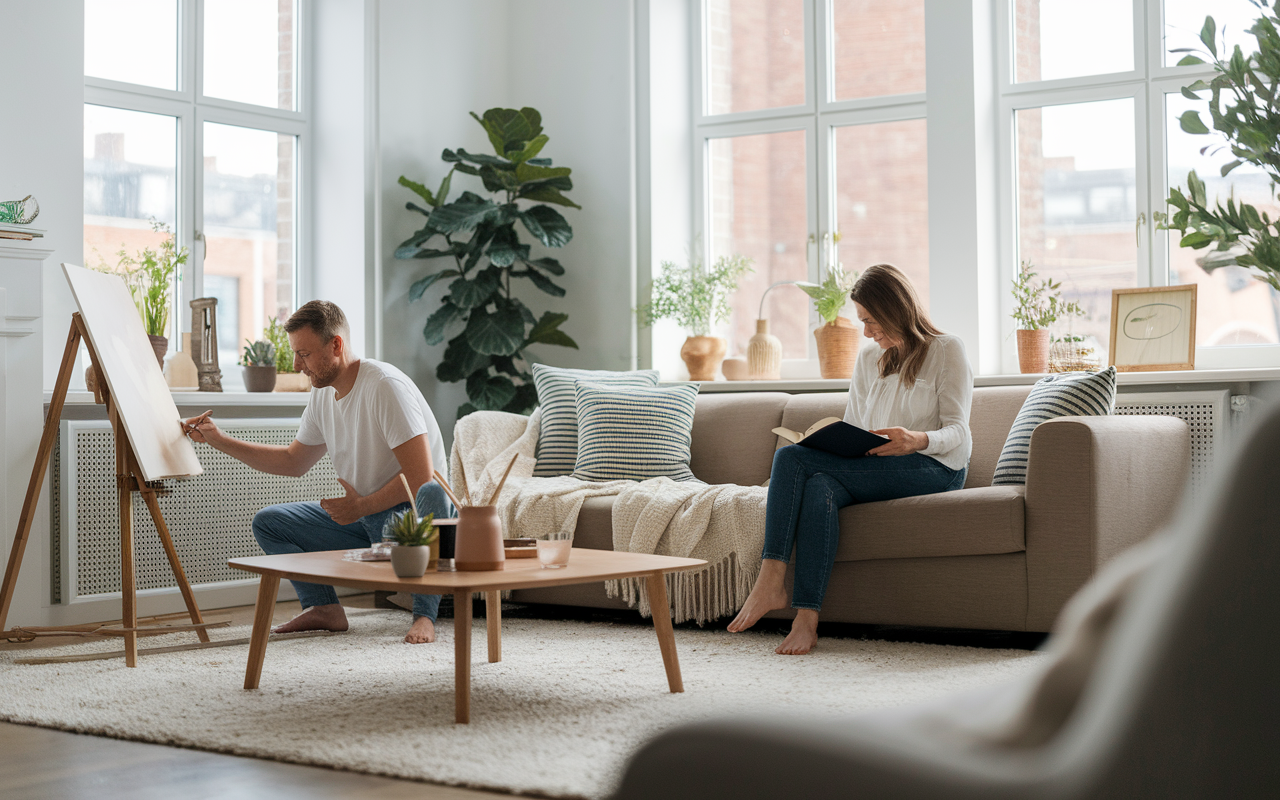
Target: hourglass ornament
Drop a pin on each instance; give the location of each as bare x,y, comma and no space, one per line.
204,343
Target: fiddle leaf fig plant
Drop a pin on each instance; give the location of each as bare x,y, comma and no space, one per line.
1244,109
486,329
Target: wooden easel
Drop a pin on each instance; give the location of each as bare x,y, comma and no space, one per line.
129,479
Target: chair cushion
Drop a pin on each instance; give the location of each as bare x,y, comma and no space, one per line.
1070,394
634,434
966,522
558,436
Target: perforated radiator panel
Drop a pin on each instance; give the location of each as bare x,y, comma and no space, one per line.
209,516
1206,414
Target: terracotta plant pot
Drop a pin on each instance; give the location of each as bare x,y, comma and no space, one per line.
837,348
702,355
160,345
1033,351
292,382
410,562
259,379
478,542
764,354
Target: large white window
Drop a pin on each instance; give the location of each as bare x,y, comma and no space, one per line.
809,144
194,117
1089,102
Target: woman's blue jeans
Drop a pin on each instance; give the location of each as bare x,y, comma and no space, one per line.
307,528
807,489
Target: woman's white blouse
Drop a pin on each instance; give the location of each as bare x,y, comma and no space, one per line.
938,404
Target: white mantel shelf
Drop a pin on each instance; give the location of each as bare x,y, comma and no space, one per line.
210,399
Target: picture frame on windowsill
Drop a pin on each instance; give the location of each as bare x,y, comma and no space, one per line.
1153,329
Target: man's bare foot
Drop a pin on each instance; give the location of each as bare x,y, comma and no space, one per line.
803,636
769,593
317,618
422,631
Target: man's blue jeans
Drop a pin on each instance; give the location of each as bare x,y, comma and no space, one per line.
307,528
807,489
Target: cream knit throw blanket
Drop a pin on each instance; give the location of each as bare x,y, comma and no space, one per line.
723,524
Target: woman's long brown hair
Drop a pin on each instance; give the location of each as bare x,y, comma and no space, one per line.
888,296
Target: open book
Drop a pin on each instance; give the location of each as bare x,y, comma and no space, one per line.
834,435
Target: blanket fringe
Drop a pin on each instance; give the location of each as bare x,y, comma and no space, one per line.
715,591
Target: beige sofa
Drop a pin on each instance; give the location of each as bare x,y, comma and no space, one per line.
991,557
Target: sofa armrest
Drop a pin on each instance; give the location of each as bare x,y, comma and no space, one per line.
1095,486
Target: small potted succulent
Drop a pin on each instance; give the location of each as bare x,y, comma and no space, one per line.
259,362
837,337
417,543
1037,305
697,298
287,379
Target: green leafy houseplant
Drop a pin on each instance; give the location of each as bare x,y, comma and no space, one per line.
695,297
408,530
274,333
1038,303
258,354
490,328
1244,107
830,296
150,279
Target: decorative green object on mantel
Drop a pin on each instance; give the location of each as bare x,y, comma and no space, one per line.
493,327
1244,106
20,212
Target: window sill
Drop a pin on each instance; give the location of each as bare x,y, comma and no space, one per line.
210,399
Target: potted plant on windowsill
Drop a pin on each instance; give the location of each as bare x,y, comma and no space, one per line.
287,379
697,298
259,362
1037,305
417,543
837,336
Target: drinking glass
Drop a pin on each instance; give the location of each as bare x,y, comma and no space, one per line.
553,549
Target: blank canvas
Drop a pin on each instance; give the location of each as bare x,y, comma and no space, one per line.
133,376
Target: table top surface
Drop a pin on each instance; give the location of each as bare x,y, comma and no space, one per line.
585,566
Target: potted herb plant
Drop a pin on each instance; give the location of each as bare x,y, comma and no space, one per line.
697,298
1037,305
149,277
417,543
259,362
287,379
837,336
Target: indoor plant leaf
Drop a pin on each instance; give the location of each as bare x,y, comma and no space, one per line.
546,264
497,333
542,282
506,248
525,400
475,291
420,190
531,149
547,225
547,331
465,213
490,391
460,360
421,285
439,322
507,126
547,194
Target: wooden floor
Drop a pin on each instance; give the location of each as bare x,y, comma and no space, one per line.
43,763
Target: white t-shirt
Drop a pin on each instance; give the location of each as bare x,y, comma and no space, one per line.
938,404
383,410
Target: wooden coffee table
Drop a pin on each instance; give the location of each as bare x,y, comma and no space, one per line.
585,566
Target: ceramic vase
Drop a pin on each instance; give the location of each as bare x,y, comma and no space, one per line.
702,355
259,379
1033,351
764,354
410,562
292,382
160,346
837,348
181,371
478,541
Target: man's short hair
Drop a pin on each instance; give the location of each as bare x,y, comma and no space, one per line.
321,316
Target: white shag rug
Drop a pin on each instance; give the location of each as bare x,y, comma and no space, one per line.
559,716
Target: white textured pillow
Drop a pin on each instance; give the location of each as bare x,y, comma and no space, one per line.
634,434
1070,394
557,449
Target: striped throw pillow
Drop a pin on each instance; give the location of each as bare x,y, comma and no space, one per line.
634,434
558,437
1069,394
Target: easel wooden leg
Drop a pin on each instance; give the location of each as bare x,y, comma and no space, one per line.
462,657
493,621
180,575
128,584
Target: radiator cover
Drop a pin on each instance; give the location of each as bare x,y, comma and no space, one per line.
209,516
1206,413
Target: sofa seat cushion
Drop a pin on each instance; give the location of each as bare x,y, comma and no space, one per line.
967,522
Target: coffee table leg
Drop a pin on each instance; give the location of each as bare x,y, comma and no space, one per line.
262,613
462,656
661,610
493,620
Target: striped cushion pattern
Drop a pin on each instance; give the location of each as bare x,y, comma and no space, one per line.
1069,394
634,434
558,437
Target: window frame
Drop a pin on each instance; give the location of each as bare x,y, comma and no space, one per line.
191,108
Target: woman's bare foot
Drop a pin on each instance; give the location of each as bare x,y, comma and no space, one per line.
317,618
769,593
803,636
422,631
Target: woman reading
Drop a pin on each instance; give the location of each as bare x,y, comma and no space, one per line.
914,388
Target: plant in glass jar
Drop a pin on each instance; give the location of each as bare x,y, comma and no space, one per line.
1037,305
837,337
696,298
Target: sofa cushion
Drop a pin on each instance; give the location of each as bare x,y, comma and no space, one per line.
1070,394
558,438
634,434
733,440
991,416
967,522
805,409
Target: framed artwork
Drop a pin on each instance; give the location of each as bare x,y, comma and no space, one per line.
1153,329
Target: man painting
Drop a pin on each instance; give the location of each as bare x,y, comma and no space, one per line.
375,425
